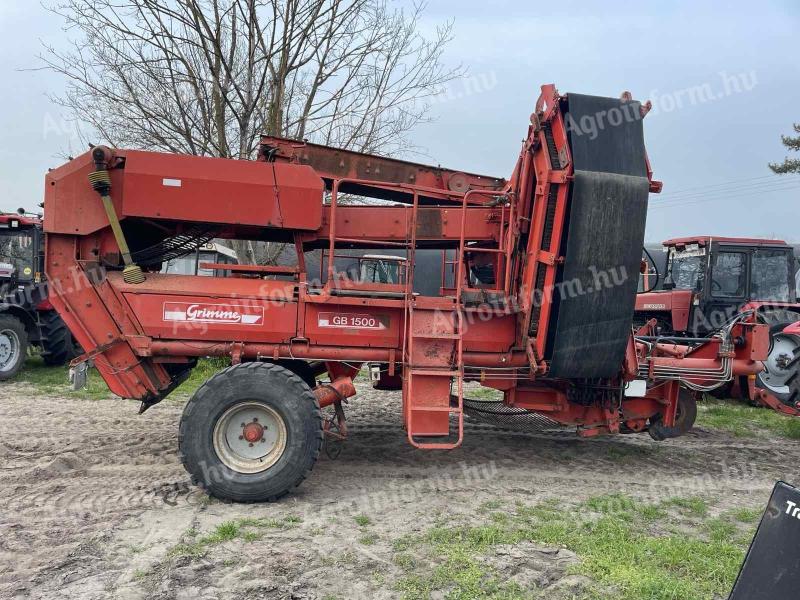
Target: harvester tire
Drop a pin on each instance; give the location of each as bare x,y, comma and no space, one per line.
13,346
251,433
684,419
781,378
58,345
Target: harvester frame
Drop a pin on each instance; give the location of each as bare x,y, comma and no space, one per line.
253,431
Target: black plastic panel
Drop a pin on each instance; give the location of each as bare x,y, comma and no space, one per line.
771,569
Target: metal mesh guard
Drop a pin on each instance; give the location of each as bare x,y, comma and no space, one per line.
499,415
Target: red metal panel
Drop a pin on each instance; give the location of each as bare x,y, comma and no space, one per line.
391,223
212,308
217,190
185,188
495,334
72,206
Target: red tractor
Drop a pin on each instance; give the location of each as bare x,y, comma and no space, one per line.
709,280
26,316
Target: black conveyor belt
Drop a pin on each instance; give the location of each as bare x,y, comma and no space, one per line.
596,287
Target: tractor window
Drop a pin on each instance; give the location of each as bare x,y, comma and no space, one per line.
687,270
769,277
729,275
379,271
16,250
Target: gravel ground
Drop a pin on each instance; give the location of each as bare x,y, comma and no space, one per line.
95,504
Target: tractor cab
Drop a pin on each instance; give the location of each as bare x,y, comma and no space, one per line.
709,280
380,268
20,251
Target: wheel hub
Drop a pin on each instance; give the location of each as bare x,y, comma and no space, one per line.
780,365
250,437
8,349
253,432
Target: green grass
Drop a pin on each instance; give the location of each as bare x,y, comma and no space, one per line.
54,381
632,550
745,421
247,529
485,394
362,520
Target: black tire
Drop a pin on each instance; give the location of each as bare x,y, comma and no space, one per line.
13,346
723,392
58,345
278,391
684,419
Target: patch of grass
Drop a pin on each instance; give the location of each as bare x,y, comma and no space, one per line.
621,543
362,520
205,369
54,381
746,421
368,539
227,531
491,505
694,506
224,532
747,515
483,393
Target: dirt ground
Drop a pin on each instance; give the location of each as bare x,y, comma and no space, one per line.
95,504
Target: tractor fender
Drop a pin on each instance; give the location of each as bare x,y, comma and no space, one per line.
25,317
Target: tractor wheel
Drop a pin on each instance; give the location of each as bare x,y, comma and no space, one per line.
13,346
58,345
251,433
684,419
780,376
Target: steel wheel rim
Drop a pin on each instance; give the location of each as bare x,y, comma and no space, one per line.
9,349
774,377
236,445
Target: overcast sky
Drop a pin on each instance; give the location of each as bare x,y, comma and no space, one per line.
725,81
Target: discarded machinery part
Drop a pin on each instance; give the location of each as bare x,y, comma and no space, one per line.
79,376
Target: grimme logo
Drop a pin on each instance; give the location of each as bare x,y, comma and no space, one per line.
213,313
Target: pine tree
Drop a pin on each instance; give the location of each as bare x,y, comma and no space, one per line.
789,165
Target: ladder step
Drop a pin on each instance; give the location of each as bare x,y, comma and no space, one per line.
434,372
437,336
450,409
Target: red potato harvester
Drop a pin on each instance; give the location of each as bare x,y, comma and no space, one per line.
537,303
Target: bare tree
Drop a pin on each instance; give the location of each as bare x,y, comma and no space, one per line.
205,77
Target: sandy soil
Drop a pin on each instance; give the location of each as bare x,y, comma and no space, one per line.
93,499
